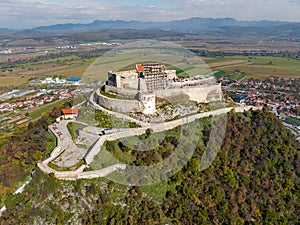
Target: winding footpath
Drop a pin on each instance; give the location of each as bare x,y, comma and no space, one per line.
19,190
88,158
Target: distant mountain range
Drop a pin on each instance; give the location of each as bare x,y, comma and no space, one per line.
5,30
224,26
192,25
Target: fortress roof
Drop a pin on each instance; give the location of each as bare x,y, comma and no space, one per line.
139,68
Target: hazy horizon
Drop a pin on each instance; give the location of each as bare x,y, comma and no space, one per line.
88,22
26,14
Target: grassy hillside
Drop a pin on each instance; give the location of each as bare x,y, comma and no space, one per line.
21,149
254,180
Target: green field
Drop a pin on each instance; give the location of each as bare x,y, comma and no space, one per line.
277,61
96,69
51,142
72,128
255,67
37,112
71,66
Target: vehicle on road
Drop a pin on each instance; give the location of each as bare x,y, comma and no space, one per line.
106,131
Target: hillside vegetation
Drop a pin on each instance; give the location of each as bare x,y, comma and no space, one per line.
22,149
254,180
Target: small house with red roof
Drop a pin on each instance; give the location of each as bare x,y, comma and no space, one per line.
69,114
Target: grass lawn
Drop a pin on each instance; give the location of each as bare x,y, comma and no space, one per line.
51,142
103,159
73,127
73,168
37,112
101,119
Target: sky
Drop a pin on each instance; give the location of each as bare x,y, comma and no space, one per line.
22,14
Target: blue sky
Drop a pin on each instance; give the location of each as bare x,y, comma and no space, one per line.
20,14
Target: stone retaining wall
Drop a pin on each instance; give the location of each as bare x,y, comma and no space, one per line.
89,157
121,91
204,94
118,104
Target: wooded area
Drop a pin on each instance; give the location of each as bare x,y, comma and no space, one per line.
254,180
21,150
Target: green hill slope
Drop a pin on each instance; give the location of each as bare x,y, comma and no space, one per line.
254,180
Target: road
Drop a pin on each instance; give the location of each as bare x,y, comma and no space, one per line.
80,173
293,130
70,154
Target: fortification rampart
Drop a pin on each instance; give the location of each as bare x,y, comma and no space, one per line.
211,93
111,137
203,93
117,104
80,174
121,91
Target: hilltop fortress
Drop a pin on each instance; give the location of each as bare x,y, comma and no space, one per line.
137,90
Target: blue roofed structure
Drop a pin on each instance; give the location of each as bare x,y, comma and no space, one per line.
240,98
74,79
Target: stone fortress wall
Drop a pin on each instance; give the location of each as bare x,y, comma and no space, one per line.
130,93
210,92
153,79
119,105
204,94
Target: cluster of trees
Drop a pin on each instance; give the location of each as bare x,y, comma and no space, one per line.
285,54
22,149
147,149
254,180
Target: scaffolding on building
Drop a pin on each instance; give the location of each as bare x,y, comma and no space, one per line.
155,76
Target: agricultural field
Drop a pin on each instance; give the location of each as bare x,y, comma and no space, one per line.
75,66
255,67
71,66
